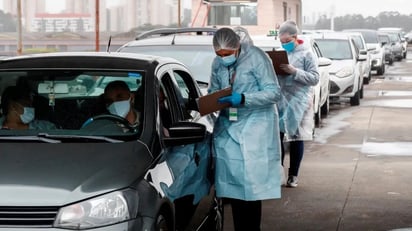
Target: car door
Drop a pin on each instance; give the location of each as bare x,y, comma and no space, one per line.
190,164
324,66
358,80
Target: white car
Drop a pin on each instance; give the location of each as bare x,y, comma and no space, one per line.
191,46
363,51
375,47
321,90
194,48
345,75
400,33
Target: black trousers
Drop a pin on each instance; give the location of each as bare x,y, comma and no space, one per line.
247,215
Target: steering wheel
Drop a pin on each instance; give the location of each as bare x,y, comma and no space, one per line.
111,117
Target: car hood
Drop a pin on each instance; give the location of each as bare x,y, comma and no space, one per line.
39,174
337,65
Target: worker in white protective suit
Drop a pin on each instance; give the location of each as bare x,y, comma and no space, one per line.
296,112
247,158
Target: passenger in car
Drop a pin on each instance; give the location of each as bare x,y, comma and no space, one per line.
119,101
296,111
18,111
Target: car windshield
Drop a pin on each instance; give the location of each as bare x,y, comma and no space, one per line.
370,37
394,37
384,38
335,49
64,102
197,58
358,42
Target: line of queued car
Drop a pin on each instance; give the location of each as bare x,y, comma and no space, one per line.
193,47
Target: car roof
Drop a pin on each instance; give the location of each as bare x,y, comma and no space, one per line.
264,41
175,31
86,60
332,35
176,40
390,29
361,30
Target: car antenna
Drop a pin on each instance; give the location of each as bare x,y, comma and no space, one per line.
173,40
108,45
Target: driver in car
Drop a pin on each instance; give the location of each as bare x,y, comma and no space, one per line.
119,101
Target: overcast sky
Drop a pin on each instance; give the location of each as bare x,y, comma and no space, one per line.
341,7
364,7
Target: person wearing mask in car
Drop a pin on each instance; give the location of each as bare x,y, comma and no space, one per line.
247,160
296,112
119,101
18,111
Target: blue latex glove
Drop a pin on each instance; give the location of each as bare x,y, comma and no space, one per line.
235,99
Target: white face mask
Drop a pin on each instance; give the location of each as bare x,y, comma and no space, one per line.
120,108
28,115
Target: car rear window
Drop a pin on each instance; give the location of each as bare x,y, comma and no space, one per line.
197,58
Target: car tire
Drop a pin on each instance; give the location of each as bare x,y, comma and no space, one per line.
324,110
318,119
163,223
361,92
366,80
391,61
381,70
404,55
355,100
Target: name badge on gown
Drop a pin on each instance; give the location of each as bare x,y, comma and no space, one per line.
233,114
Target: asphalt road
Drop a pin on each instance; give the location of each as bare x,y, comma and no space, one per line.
357,173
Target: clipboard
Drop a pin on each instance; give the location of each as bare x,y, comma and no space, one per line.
278,57
208,103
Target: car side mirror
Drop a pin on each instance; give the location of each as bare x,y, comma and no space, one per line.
403,39
371,48
361,58
323,62
182,133
384,43
363,52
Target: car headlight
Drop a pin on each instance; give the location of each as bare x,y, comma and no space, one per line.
104,210
344,72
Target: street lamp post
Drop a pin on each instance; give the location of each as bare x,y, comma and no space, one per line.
97,24
178,14
19,29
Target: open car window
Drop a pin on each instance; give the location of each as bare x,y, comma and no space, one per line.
65,101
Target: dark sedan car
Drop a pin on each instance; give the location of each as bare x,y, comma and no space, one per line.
96,171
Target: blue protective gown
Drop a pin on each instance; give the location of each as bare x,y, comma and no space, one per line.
296,109
247,151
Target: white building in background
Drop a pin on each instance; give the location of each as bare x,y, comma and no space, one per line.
78,16
258,16
135,13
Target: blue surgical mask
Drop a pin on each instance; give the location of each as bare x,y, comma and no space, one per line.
227,60
289,46
28,115
120,108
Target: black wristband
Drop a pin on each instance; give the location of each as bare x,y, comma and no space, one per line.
242,101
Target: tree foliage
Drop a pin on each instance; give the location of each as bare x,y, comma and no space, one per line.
357,21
